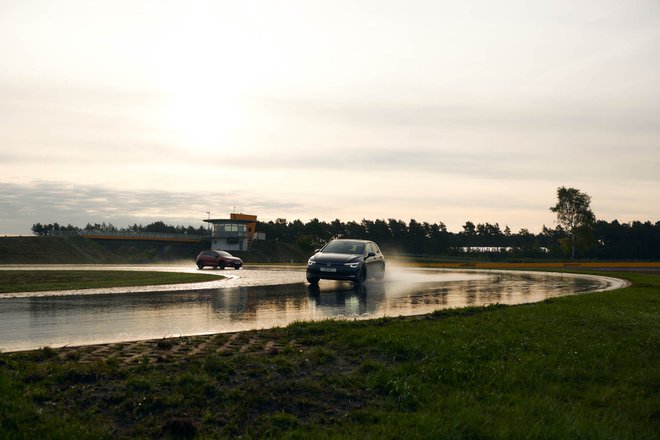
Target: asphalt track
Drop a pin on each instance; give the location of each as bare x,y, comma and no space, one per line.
256,298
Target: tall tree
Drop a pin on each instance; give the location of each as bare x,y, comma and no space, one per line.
573,213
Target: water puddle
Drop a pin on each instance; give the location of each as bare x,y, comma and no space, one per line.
28,322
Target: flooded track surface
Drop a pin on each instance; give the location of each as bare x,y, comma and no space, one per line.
256,299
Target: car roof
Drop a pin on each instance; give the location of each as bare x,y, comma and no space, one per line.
359,240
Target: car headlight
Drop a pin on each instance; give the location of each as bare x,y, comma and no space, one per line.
310,262
352,265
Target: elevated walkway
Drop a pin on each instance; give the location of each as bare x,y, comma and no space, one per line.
130,235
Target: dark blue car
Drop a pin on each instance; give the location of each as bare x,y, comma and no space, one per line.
352,260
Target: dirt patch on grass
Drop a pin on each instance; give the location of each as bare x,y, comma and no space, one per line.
225,385
177,350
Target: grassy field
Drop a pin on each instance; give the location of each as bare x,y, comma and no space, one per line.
585,366
42,280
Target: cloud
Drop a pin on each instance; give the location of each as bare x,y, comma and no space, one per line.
522,140
22,205
521,112
424,111
553,164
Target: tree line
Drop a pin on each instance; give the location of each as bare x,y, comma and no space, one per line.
577,234
156,227
604,240
607,240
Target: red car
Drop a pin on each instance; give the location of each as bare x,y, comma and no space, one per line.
217,259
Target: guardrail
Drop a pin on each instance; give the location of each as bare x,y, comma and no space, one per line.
131,235
613,265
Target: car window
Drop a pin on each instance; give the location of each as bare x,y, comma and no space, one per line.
224,254
376,248
344,247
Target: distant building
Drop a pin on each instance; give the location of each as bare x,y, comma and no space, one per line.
234,233
251,226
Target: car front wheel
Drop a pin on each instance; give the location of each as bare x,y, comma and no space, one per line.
362,275
312,280
381,273
200,266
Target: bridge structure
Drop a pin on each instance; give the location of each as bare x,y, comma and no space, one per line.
132,235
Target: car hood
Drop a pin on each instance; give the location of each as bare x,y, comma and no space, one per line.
322,257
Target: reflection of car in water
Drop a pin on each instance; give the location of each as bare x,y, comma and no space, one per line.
353,260
342,299
217,259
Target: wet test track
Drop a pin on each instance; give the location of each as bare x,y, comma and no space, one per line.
260,298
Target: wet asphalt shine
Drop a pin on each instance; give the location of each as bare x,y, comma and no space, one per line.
261,298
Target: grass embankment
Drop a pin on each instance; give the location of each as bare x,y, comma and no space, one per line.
53,250
80,250
42,280
584,366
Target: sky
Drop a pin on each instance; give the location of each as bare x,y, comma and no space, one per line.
443,111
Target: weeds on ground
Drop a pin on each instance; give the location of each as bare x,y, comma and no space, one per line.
574,367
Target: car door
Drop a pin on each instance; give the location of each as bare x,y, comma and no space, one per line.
378,260
379,255
370,260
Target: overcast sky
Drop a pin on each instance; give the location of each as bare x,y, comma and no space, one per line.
136,111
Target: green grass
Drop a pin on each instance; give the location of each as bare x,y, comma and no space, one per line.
585,366
42,280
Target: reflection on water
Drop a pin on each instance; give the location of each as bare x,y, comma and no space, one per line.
27,323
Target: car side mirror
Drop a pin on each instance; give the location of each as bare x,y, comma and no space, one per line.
371,254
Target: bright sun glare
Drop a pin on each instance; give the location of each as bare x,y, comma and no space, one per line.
202,116
204,72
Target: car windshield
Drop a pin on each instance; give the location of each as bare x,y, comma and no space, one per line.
344,247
